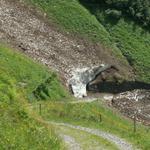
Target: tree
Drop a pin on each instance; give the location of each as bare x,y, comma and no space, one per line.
139,10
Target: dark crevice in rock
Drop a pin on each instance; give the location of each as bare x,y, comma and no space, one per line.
115,87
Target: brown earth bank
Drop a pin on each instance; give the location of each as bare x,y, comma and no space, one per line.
27,30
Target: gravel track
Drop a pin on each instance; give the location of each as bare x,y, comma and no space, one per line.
70,142
120,143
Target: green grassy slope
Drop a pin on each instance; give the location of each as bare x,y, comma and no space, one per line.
73,17
132,40
18,129
29,77
134,43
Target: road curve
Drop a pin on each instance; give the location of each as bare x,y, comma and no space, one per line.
119,142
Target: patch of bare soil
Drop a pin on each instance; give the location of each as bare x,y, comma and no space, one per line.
27,30
132,103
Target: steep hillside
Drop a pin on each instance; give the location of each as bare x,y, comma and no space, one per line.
19,129
128,35
19,76
40,40
28,77
36,111
124,35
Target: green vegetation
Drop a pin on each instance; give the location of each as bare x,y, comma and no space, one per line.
22,80
134,42
19,131
28,77
88,115
129,37
19,76
51,89
139,10
72,16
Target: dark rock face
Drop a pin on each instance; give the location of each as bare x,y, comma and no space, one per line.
114,86
134,102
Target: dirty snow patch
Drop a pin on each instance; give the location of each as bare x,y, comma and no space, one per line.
80,78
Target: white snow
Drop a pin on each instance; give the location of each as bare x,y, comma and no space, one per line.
80,78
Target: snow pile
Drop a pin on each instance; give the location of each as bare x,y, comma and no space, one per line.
80,78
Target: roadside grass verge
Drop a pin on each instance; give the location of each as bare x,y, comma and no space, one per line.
20,131
88,115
